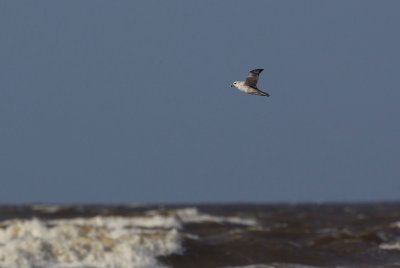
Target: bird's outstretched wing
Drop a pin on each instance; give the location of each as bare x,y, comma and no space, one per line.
252,78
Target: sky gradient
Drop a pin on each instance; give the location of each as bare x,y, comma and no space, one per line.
118,102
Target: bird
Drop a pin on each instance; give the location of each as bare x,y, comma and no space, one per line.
250,85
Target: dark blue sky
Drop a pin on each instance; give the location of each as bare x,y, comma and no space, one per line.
119,101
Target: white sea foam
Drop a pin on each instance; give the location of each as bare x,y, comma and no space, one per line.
395,225
191,215
98,242
390,246
46,208
95,242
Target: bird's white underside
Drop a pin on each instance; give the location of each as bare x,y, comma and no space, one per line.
242,87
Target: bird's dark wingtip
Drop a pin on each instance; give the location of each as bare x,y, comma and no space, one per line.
257,71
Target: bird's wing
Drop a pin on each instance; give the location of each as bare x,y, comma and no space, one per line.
252,78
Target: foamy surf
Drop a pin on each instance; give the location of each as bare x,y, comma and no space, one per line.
393,246
99,242
215,236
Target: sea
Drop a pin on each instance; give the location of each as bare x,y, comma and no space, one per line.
200,236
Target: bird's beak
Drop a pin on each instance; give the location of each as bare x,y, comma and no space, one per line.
232,85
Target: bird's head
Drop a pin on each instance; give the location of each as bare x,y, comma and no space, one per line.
235,84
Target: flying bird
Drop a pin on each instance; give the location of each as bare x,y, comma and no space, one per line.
250,85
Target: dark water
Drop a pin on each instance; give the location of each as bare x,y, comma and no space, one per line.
318,235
